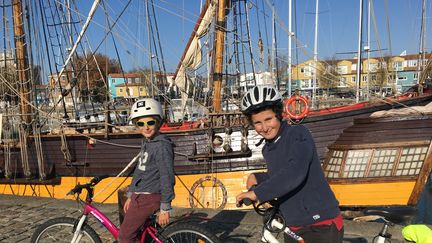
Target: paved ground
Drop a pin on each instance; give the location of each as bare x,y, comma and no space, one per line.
19,216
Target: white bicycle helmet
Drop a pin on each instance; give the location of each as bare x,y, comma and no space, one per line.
146,107
258,97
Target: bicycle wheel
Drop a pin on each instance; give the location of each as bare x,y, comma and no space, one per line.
188,232
62,230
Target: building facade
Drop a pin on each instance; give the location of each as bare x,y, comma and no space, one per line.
127,85
395,73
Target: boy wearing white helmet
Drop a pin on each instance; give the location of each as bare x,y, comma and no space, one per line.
294,175
152,186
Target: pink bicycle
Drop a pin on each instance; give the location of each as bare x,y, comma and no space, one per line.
66,229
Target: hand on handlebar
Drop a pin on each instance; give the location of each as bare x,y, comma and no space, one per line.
245,198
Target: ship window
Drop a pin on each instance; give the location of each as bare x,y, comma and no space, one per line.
333,168
382,162
356,163
411,161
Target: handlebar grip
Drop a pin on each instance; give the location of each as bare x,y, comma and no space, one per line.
75,190
245,201
97,179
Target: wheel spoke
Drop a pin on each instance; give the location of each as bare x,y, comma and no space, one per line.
189,237
62,230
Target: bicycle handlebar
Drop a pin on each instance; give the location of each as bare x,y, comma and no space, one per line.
246,201
97,179
93,182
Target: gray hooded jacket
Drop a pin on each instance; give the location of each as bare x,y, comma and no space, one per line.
154,172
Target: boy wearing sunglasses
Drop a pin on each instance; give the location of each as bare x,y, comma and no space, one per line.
152,186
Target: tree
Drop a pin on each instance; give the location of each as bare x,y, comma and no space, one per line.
329,77
380,77
92,83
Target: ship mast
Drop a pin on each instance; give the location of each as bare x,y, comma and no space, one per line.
422,54
220,41
21,60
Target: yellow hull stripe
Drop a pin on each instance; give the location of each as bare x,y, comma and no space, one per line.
210,195
384,193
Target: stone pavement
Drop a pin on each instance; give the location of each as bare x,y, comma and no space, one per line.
19,216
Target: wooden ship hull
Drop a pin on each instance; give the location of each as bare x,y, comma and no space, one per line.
381,161
211,163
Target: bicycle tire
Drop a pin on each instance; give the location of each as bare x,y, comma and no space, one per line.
188,232
61,230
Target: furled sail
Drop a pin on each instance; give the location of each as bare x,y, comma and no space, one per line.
192,55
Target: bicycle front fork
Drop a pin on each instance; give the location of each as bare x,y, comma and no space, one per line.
267,236
77,229
383,234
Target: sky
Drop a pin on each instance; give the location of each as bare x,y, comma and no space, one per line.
337,28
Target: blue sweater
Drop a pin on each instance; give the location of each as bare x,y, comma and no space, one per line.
154,172
294,176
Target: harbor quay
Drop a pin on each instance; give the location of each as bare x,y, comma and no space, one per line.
21,215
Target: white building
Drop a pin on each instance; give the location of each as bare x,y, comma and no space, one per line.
265,78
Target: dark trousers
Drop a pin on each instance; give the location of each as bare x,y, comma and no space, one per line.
318,234
140,208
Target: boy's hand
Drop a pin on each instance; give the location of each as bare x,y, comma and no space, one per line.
126,205
164,218
249,194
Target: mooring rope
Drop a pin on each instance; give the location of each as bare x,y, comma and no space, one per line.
39,152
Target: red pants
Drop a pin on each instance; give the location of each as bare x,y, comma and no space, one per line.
140,208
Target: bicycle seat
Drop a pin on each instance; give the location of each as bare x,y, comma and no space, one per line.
393,214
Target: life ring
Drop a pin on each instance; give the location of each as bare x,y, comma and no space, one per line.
199,198
290,107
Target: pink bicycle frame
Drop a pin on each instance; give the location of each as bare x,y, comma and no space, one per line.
89,209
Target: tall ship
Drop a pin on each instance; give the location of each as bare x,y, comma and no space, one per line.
52,142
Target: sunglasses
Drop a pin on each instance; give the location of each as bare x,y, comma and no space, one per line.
148,123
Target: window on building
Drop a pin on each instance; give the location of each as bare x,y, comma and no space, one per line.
415,76
113,81
306,84
402,78
364,78
353,79
342,82
342,69
412,63
398,66
141,89
121,90
373,67
308,71
373,77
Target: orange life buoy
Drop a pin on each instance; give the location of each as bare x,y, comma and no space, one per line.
291,102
